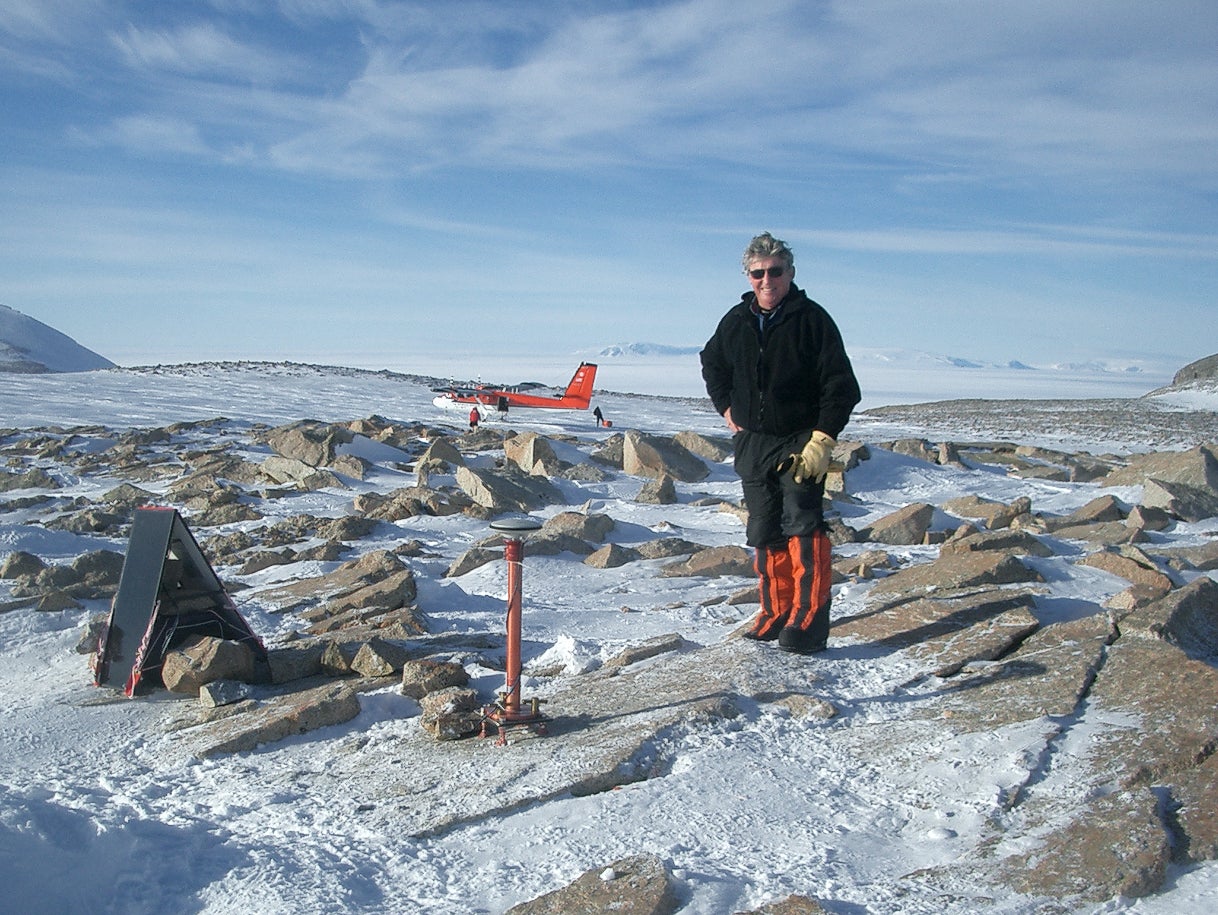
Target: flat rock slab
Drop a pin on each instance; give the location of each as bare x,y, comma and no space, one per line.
1118,846
955,571
948,633
604,729
1047,675
274,719
1155,726
1169,700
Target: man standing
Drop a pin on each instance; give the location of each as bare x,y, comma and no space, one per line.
778,373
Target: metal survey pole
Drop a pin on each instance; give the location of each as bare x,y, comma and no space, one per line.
508,710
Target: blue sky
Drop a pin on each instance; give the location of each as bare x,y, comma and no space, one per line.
357,181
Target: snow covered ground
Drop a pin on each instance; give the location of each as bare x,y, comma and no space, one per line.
98,815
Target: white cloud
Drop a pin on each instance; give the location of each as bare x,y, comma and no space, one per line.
202,50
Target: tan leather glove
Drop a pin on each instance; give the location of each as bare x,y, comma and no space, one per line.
813,462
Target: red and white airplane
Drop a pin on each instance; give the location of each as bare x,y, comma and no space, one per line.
487,397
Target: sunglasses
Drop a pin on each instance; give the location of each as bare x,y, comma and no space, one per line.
774,272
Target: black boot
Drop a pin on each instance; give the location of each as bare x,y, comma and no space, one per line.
801,641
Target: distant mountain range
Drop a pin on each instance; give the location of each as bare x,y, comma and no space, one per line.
892,357
646,349
29,346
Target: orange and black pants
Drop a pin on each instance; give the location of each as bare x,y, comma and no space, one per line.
786,527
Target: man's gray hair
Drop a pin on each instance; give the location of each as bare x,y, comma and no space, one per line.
766,245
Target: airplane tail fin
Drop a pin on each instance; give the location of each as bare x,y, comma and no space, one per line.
579,391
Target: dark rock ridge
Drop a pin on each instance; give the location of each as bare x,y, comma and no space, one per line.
1202,369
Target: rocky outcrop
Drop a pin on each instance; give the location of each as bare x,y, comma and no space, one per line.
713,562
654,456
532,453
90,576
906,525
505,492
205,660
963,570
312,443
639,885
1203,369
272,719
658,491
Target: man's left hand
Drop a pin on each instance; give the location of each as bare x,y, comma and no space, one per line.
813,462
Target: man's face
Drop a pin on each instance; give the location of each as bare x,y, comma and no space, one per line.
770,289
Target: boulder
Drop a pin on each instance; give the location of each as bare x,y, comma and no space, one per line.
1148,518
1018,542
1196,468
963,570
1180,500
653,456
426,675
346,528
994,514
638,885
1102,533
504,492
713,562
204,659
658,491
1124,602
1203,558
864,565
551,543
710,449
795,904
915,448
379,658
529,451
390,593
473,558
451,713
348,578
1187,618
128,496
905,526
668,547
222,692
408,502
593,527
443,451
313,443
651,648
295,662
1134,572
1101,508
396,623
35,478
20,564
612,556
282,470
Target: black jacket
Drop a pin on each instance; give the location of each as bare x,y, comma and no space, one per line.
793,376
